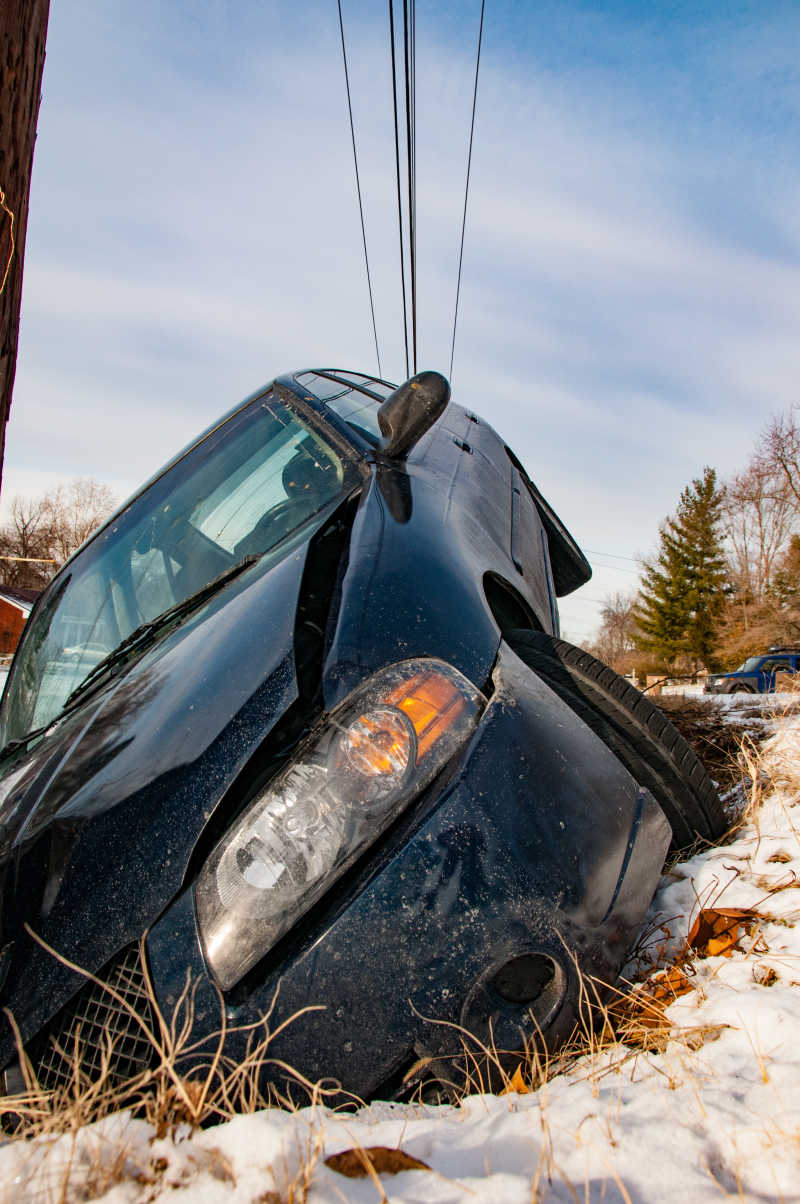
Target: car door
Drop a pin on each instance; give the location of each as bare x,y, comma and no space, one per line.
784,674
773,669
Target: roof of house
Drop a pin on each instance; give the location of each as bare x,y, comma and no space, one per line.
23,598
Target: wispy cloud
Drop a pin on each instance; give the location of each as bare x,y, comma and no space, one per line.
632,267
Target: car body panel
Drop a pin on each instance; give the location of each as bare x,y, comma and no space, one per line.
398,593
506,858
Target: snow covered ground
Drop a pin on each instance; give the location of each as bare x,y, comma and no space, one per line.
713,1113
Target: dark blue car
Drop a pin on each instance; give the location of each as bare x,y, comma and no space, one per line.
296,726
758,675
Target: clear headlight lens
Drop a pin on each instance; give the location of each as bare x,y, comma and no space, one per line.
375,753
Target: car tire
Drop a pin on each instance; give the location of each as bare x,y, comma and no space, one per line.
638,733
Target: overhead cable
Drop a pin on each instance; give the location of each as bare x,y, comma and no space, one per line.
408,47
613,555
397,178
413,11
358,189
466,187
617,568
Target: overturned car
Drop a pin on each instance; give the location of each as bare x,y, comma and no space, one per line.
296,726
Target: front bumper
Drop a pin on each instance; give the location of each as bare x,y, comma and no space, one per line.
729,685
532,864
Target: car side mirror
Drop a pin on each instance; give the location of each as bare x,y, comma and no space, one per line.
410,411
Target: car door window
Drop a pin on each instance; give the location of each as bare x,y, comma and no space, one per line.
358,409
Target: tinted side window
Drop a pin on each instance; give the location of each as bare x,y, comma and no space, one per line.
777,663
359,410
368,382
320,386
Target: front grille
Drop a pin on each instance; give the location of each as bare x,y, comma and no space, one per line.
94,1035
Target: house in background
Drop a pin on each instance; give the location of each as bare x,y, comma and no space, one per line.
15,606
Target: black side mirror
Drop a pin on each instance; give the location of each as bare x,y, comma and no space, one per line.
411,410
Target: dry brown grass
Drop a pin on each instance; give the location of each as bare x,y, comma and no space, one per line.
216,1087
715,742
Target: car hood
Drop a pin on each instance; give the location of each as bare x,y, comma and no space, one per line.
99,821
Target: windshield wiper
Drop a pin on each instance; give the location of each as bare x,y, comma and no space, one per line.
142,637
23,741
137,642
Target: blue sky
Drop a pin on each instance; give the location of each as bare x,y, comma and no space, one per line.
631,289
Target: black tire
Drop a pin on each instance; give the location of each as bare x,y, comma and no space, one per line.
643,739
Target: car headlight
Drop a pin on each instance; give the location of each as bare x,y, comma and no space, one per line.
375,753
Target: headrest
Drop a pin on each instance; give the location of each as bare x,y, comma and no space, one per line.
309,472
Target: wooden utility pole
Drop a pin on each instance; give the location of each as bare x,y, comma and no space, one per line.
23,32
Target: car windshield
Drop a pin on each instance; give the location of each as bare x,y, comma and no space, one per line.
750,665
239,492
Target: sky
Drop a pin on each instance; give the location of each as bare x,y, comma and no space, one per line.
631,286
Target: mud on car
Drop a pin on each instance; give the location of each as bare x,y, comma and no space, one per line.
297,723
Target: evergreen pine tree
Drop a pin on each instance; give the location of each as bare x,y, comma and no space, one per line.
662,613
699,521
685,586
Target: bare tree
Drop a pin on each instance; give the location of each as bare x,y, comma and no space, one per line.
26,561
761,516
615,640
73,511
23,31
44,532
775,620
758,518
779,450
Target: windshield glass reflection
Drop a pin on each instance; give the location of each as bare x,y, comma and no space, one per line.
238,493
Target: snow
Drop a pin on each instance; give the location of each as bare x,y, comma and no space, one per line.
715,1114
685,690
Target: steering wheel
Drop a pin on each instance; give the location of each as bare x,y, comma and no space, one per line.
274,525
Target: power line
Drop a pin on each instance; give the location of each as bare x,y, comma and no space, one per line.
413,11
466,187
408,46
588,599
397,178
617,568
612,555
358,189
